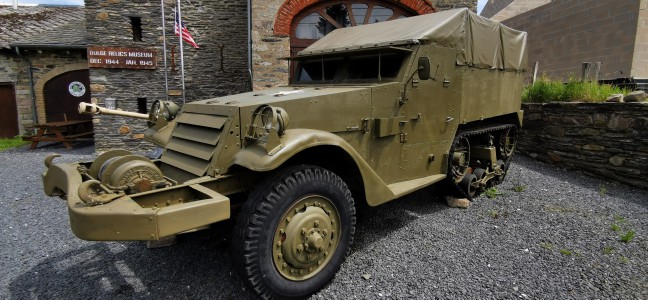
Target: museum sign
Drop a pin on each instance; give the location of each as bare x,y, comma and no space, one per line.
121,58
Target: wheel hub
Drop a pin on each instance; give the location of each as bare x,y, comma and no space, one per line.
305,238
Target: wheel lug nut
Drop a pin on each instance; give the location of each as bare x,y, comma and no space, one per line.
282,232
284,265
324,232
278,244
303,231
288,220
316,224
300,248
328,211
280,256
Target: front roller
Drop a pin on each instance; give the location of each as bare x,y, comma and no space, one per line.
293,232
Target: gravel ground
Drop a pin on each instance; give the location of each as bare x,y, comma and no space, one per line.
554,240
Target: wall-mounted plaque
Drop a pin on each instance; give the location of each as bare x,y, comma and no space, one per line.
121,58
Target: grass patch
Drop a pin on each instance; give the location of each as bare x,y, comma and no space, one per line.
627,237
547,245
492,193
615,227
547,90
11,143
493,214
608,249
602,190
565,252
519,188
624,259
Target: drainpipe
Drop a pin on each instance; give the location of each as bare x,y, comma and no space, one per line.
249,16
32,93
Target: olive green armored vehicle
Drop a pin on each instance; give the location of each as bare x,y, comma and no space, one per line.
373,113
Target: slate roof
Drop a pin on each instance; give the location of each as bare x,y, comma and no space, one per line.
42,27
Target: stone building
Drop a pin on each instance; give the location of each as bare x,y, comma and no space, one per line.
563,34
500,10
236,39
42,51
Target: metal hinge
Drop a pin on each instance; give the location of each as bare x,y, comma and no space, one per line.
365,125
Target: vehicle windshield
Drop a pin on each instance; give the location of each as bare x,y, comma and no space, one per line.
366,67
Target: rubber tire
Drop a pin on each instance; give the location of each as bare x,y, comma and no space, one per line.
466,184
256,224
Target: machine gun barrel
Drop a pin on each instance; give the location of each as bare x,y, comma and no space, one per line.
92,109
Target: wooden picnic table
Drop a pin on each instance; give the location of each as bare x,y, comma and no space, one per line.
64,132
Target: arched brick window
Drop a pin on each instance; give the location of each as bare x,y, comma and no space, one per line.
306,21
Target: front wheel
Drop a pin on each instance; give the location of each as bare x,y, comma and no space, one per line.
293,232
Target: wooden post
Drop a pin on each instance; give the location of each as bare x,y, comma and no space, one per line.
597,70
586,71
535,72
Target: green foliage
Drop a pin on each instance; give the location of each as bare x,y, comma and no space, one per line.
547,90
11,143
493,214
615,227
608,249
547,245
519,188
624,259
602,190
627,237
492,193
565,252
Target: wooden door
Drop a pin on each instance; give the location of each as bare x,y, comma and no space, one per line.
8,112
63,95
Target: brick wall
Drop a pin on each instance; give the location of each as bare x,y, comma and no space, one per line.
492,7
640,57
607,140
516,8
218,68
565,33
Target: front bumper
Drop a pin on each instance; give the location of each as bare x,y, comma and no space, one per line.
167,212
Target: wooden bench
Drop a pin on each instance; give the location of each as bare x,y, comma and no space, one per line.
64,132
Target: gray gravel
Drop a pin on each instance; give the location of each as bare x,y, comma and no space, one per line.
554,240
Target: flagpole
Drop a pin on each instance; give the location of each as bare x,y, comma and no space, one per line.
166,76
181,53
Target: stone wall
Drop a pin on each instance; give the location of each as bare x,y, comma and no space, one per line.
565,33
607,140
15,69
217,68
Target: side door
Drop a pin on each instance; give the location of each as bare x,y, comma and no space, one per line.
430,114
8,112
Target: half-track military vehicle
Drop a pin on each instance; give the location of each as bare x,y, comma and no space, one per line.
372,113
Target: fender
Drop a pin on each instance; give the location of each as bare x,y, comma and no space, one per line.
256,158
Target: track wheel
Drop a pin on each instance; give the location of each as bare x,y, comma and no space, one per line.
479,174
293,232
469,184
507,142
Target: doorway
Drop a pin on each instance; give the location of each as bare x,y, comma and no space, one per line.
8,112
63,94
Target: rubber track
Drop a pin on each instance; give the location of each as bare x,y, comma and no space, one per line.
468,133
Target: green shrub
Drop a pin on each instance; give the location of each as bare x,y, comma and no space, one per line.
11,143
546,90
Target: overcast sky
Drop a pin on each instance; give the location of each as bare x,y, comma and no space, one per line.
480,3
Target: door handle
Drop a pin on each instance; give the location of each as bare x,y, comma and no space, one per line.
449,119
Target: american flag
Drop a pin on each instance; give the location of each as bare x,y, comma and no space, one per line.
186,36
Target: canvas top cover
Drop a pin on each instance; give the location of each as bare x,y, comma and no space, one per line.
481,42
